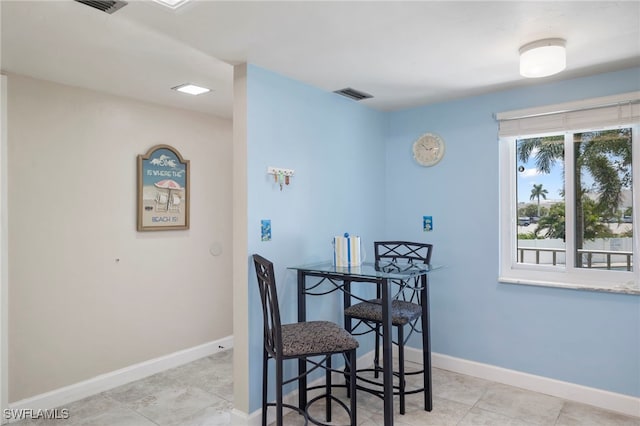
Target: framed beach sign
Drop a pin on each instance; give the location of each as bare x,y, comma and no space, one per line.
163,190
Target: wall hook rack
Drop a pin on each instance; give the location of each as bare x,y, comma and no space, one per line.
280,176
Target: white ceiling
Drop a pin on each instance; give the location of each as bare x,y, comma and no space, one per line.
404,53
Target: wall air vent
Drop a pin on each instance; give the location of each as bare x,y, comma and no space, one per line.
354,94
104,6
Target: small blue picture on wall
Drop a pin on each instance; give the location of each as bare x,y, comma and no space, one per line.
265,229
427,223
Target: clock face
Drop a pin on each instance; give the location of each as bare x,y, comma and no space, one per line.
428,150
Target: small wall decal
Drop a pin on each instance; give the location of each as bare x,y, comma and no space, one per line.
265,229
427,223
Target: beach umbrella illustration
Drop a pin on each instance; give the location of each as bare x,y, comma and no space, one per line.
169,185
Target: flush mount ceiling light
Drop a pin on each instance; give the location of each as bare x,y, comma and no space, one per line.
543,58
173,4
191,89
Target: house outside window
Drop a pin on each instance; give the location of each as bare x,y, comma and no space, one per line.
567,194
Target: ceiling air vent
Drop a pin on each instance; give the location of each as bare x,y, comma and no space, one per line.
105,6
354,94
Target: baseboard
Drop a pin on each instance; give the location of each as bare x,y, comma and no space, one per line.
612,401
240,418
103,382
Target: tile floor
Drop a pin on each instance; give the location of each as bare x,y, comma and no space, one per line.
201,393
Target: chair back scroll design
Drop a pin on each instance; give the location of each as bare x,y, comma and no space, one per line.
403,250
271,312
409,252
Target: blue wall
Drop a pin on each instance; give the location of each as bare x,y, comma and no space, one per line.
336,147
355,173
588,338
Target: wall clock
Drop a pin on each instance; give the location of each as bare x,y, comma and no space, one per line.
428,150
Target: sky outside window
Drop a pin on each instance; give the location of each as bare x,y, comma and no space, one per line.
553,181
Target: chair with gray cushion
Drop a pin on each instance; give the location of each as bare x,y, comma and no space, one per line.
306,341
406,309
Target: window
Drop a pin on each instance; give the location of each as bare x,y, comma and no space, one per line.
567,194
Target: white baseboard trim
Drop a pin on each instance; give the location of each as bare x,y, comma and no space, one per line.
612,401
103,382
239,418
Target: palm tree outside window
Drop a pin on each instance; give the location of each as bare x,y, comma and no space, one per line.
538,192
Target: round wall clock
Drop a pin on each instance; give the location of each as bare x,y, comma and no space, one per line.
428,150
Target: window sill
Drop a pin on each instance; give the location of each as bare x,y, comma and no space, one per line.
632,288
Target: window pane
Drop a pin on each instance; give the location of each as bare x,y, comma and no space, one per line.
540,200
604,225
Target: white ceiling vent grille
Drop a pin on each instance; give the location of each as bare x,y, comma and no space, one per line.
104,6
354,94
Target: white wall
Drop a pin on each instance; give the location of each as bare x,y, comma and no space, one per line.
75,311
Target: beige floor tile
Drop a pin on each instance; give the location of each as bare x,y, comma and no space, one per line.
478,417
516,403
133,392
290,419
41,422
98,410
174,403
444,413
458,387
575,414
215,415
207,374
338,414
90,407
118,416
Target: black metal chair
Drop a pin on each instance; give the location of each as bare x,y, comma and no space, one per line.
302,341
407,308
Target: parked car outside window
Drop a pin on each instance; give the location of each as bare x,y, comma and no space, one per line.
524,221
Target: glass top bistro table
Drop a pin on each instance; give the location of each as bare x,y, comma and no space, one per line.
375,273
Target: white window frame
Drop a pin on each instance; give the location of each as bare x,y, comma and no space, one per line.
546,121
